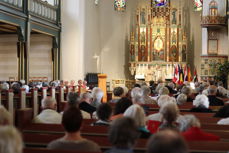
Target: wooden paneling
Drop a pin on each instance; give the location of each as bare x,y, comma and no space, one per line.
41,56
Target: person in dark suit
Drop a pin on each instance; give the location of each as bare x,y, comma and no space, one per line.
214,101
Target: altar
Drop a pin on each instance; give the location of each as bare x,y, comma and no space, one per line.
158,41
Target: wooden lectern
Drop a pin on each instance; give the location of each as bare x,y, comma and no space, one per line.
102,79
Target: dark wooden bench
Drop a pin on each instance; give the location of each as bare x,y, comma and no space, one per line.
44,150
41,140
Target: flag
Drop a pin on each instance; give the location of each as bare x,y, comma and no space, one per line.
181,75
189,75
176,74
185,73
195,77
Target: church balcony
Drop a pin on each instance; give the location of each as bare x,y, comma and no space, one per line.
44,10
214,21
17,4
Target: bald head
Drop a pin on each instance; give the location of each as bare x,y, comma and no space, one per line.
167,141
212,90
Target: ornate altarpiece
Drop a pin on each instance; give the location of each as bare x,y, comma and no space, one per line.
157,42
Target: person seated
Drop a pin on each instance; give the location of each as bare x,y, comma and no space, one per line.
136,96
137,113
193,132
223,112
164,99
85,104
169,114
120,108
188,92
103,113
118,94
171,88
167,141
97,95
181,99
224,121
201,104
48,115
10,140
74,101
5,117
221,92
72,140
5,86
16,86
146,95
214,101
122,135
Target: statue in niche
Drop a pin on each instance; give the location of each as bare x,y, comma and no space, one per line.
132,52
142,14
143,37
143,57
174,37
184,53
173,53
174,19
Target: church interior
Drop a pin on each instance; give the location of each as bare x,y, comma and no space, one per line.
114,76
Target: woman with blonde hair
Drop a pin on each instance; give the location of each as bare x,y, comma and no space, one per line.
10,140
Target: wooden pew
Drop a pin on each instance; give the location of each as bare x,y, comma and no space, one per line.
44,150
41,140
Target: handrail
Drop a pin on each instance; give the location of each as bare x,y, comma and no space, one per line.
15,3
43,9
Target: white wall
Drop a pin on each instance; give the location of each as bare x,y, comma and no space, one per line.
72,39
90,29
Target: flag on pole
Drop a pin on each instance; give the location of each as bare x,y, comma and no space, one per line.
195,77
189,75
181,76
176,74
185,73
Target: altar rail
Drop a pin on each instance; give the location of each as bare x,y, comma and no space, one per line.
15,3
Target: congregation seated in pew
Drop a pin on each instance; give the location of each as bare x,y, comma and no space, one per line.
201,104
193,132
72,140
123,135
103,113
85,103
48,115
213,100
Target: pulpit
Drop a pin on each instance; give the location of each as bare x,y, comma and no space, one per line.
102,80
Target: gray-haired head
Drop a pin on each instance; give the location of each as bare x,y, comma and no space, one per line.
48,103
186,90
146,90
181,99
165,99
73,98
164,91
5,86
171,85
189,121
201,100
137,113
97,94
137,95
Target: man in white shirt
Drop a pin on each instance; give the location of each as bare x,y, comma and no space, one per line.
224,121
49,115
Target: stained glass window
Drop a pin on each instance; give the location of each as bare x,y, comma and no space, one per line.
120,5
198,5
159,3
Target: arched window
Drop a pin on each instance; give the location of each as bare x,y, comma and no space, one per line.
213,8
